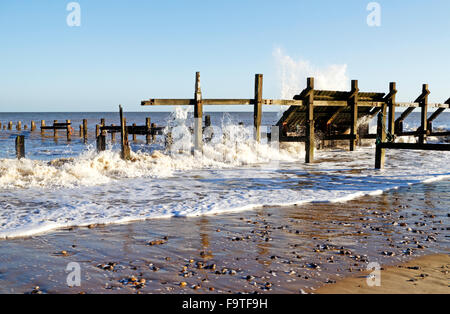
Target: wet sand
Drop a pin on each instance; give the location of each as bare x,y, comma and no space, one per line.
428,274
268,250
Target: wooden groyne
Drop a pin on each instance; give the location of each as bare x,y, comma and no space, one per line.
315,115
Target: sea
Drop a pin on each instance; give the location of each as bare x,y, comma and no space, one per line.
64,184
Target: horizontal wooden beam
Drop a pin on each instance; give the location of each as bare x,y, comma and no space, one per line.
269,102
412,146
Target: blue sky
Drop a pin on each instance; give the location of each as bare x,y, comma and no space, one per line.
127,51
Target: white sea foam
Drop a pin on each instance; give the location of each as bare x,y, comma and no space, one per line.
233,174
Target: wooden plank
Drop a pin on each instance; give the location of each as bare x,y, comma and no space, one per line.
309,104
267,102
334,116
257,107
435,114
399,121
416,146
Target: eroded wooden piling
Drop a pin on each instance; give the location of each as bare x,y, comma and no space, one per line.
353,104
20,146
257,107
85,130
380,153
101,141
148,124
310,138
198,115
125,153
423,101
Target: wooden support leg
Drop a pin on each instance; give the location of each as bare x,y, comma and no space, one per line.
20,146
391,106
55,131
148,137
19,125
125,153
353,103
69,131
101,141
33,126
85,131
380,153
310,137
42,124
257,109
424,114
198,115
113,134
10,125
134,134
153,132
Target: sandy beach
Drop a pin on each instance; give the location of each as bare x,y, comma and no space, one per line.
426,275
268,250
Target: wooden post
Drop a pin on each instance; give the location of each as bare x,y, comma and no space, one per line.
102,122
353,103
69,130
134,135
153,132
33,126
113,134
97,130
10,125
424,113
148,124
310,138
81,130
125,153
19,125
55,131
380,153
257,107
391,106
198,115
101,141
85,130
207,121
42,124
20,146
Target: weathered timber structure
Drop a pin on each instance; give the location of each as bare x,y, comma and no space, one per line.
316,115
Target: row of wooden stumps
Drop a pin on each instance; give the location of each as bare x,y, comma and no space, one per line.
10,126
150,130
